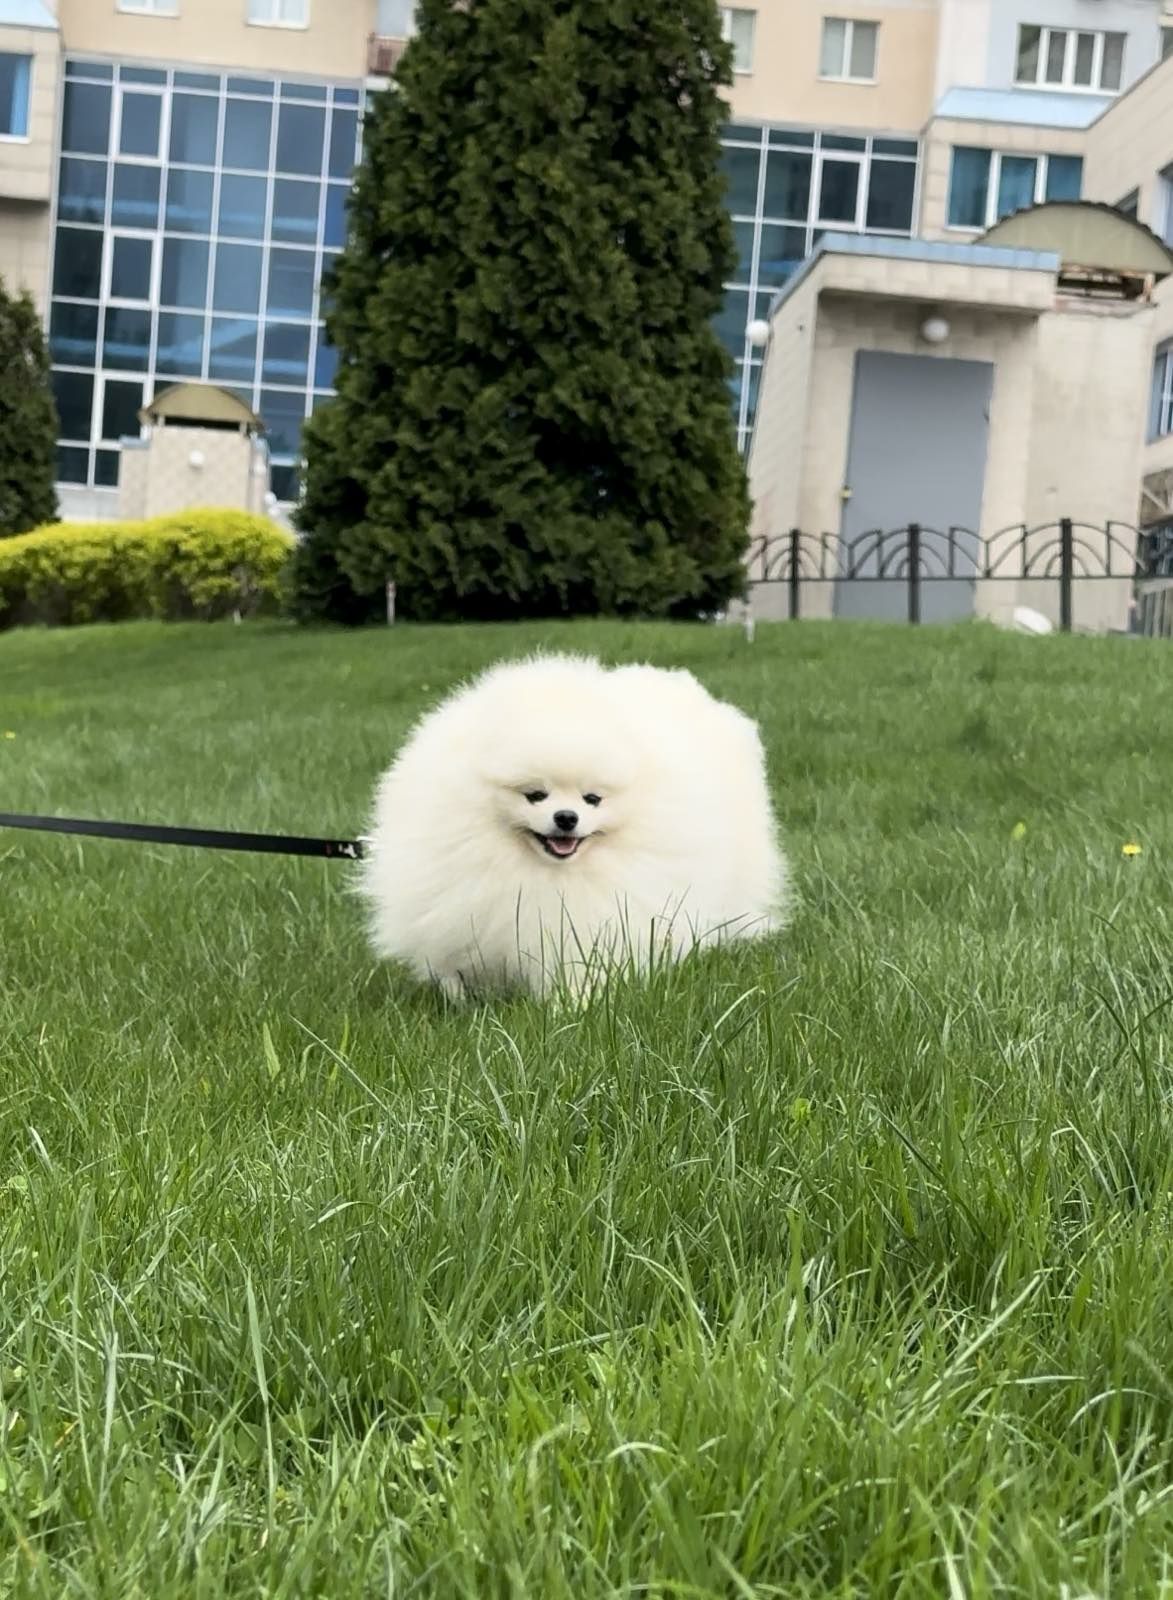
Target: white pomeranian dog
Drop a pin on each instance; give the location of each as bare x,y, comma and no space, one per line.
555,818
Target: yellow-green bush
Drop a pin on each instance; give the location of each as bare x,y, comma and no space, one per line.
204,564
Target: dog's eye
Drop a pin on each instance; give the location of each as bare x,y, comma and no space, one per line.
593,799
536,796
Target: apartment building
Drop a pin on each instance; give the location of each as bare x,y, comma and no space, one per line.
173,173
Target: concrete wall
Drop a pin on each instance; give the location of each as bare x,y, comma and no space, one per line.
27,167
785,86
1066,419
1128,146
216,33
158,475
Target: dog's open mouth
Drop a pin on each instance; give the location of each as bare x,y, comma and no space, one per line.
558,845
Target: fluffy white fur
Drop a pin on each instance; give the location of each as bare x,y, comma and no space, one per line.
679,849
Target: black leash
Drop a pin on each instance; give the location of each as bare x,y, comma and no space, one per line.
270,844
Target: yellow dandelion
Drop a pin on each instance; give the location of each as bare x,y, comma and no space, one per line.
1018,831
8,733
1130,849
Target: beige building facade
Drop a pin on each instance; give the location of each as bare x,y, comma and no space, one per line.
173,175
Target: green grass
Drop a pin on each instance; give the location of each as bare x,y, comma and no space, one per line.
838,1267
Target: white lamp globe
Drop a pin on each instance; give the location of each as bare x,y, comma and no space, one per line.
758,333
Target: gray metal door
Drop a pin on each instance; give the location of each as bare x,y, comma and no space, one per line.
917,454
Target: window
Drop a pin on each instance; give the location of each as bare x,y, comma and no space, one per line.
737,27
280,13
15,78
1161,415
849,50
1128,204
1066,58
987,184
151,8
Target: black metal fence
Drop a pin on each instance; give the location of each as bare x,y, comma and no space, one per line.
916,558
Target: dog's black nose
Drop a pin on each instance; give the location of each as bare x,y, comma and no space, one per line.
566,820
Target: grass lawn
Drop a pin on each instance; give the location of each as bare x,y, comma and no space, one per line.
838,1267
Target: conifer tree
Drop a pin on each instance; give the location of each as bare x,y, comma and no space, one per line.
28,420
533,414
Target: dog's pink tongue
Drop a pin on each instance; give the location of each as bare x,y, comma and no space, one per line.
563,847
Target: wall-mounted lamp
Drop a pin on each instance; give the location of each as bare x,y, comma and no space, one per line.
934,330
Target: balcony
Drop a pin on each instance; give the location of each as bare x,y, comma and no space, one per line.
383,53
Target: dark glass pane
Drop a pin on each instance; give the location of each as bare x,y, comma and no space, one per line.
135,201
782,250
1065,178
788,186
969,183
181,344
292,280
747,132
262,86
283,416
142,75
85,123
106,464
326,364
741,176
843,141
197,80
185,273
346,97
101,71
793,136
130,268
121,405
753,378
283,481
343,143
233,353
242,206
301,139
127,345
189,202
193,129
74,394
82,194
303,91
743,241
295,211
287,353
77,264
73,465
1016,183
894,147
248,127
730,322
334,229
73,335
838,192
890,189
141,118
238,279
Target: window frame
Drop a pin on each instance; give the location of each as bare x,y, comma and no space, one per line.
148,8
727,15
1161,409
274,19
30,60
1066,83
1042,160
844,75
